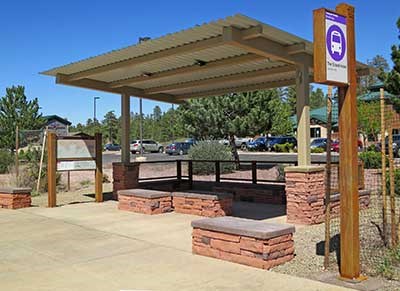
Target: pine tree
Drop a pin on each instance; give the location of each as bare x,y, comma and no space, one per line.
392,80
16,110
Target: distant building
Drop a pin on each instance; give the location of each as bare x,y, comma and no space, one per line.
319,117
57,124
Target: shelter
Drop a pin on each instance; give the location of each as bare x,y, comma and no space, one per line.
234,54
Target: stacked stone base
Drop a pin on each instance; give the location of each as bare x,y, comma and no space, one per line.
145,205
305,193
125,176
202,204
259,253
15,198
364,198
271,194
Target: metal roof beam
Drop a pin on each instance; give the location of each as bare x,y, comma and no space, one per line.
246,88
190,47
263,46
222,79
187,70
186,48
104,86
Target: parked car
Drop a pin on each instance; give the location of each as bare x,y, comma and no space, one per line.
274,140
191,141
178,148
112,147
319,143
395,145
148,146
259,144
336,146
240,142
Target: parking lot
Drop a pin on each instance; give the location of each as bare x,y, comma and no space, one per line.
111,157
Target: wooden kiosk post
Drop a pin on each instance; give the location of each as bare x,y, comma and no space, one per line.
74,153
335,64
51,169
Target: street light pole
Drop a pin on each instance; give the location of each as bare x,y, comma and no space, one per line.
141,126
94,108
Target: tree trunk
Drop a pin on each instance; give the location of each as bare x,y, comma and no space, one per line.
234,151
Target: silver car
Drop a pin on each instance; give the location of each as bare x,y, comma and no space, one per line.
148,146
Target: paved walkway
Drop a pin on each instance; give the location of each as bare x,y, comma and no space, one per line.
95,247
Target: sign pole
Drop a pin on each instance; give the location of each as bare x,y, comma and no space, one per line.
348,185
335,64
51,168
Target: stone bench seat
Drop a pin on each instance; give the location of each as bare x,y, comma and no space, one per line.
144,201
203,203
15,198
244,241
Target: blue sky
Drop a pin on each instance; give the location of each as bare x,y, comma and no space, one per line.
38,35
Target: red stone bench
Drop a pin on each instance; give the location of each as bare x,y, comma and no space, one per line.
14,198
144,201
244,241
202,203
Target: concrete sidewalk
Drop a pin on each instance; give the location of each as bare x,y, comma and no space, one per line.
91,246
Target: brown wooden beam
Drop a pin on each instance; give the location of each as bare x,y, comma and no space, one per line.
348,173
222,79
188,70
247,88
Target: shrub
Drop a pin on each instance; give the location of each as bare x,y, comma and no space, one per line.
6,160
317,150
284,148
372,160
396,175
211,150
29,172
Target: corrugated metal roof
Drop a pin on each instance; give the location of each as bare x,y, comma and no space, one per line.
140,63
191,35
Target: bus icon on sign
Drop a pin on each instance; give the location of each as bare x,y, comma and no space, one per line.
336,43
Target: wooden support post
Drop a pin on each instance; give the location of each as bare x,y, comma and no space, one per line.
126,121
179,170
51,169
328,178
254,172
68,181
383,158
217,172
190,174
348,173
303,114
99,168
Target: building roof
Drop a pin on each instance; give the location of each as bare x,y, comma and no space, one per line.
319,115
58,118
234,54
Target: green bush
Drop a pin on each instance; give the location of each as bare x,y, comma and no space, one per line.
211,150
29,172
396,175
372,160
6,160
372,148
317,150
284,148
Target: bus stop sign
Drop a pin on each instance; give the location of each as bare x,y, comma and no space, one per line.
330,48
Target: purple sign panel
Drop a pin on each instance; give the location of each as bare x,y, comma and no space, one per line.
336,47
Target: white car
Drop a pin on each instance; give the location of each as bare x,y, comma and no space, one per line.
336,43
148,146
